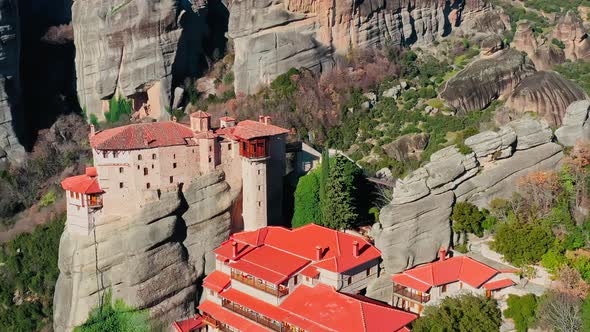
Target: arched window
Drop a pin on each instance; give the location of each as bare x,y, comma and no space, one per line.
154,156
139,157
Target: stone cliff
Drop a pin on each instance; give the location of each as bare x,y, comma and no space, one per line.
10,148
416,223
128,47
571,31
272,36
152,259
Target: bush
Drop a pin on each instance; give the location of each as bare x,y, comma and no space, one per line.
284,86
307,200
522,243
118,106
522,309
48,199
558,43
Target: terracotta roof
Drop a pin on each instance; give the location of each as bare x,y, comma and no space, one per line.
226,119
189,325
142,136
498,284
333,311
249,129
83,184
200,114
310,272
234,320
216,281
260,306
450,270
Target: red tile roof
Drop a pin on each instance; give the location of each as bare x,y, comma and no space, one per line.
259,272
216,281
142,136
498,284
310,272
83,184
234,320
200,114
249,129
450,270
260,306
226,119
189,325
333,311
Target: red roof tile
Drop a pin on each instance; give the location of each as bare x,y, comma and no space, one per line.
189,325
83,184
226,119
260,306
200,114
229,318
216,281
331,310
310,272
408,281
498,284
142,136
249,129
259,272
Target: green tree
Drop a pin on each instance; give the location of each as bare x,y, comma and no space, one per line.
586,314
307,200
522,309
467,218
338,206
117,317
464,313
522,243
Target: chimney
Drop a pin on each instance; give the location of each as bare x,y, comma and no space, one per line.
355,249
318,253
267,120
92,130
234,245
261,118
91,172
442,254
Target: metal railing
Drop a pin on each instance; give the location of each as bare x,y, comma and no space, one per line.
256,317
405,292
279,291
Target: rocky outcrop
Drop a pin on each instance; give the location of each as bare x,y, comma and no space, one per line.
575,124
486,79
407,147
543,54
127,47
151,259
272,36
571,31
10,148
547,94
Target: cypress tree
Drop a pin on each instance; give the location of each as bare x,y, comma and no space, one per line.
338,204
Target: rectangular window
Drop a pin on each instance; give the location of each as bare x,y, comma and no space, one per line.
171,179
138,157
121,185
259,187
145,171
147,185
209,159
259,172
295,279
229,147
77,195
349,280
105,154
174,155
121,170
154,156
174,165
259,203
368,272
443,289
210,148
71,194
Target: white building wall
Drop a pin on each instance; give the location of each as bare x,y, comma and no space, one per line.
255,202
78,216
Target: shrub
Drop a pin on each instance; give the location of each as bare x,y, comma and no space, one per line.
284,86
522,309
307,200
522,243
558,43
118,106
48,199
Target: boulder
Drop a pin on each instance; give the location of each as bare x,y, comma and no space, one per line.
411,188
571,31
491,44
407,147
531,133
447,165
544,55
546,94
486,79
490,142
575,124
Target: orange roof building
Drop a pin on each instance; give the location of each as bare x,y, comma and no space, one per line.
280,279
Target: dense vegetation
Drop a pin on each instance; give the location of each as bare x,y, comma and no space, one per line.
578,71
464,313
28,273
522,310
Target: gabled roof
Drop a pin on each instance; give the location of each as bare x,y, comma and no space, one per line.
189,325
142,136
83,184
446,271
249,129
498,284
334,311
216,281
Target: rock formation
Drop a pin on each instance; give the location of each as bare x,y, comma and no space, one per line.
575,124
547,94
543,54
272,36
486,79
416,223
152,260
129,47
10,148
407,147
571,31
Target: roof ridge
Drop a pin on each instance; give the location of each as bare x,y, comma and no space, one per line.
360,303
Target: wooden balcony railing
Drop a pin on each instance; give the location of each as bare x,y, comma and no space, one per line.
256,317
279,291
94,202
403,291
214,323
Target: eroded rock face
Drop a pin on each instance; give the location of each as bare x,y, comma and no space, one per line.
547,94
407,146
10,148
151,260
571,31
272,36
486,79
543,54
575,124
130,46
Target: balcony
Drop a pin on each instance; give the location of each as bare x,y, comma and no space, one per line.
262,320
94,202
405,292
279,291
211,321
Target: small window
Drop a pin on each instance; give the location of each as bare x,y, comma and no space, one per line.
154,156
77,195
105,154
145,171
259,187
138,157
259,172
138,167
368,272
295,279
229,147
171,179
121,185
443,289
174,155
147,185
349,280
152,166
209,159
174,165
259,203
121,170
71,194
210,148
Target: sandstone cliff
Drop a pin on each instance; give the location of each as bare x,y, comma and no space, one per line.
575,124
571,31
128,47
151,259
547,94
543,54
416,223
272,36
10,148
